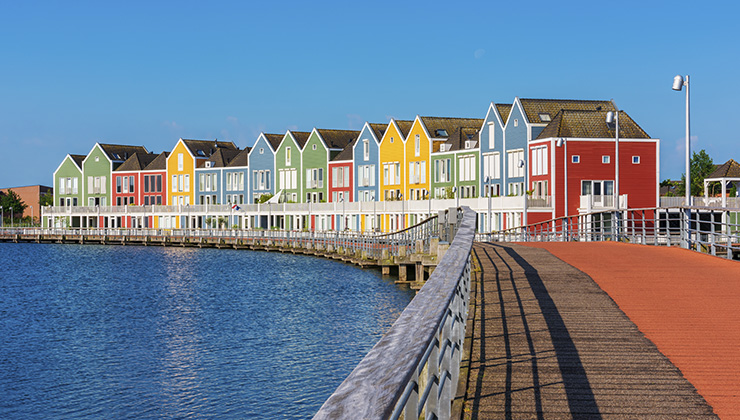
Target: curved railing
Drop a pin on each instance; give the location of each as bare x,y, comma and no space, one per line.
413,370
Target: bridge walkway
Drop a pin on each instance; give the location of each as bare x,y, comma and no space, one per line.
546,342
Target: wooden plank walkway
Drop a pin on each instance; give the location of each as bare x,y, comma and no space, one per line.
547,343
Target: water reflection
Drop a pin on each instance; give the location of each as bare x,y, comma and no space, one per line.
142,332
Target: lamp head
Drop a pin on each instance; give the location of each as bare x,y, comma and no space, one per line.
678,82
559,142
610,117
521,163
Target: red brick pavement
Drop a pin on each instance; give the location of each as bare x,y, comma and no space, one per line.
685,302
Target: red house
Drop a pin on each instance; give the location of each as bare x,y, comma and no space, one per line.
340,182
140,180
572,166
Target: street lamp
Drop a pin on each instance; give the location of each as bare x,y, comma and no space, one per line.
613,118
403,212
678,83
2,217
11,216
31,215
523,164
488,190
562,142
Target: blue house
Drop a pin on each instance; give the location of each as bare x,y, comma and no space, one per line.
491,149
236,178
261,163
366,161
527,119
210,182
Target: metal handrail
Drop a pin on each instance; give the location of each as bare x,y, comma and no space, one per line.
705,229
414,368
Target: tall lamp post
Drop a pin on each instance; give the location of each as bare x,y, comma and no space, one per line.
523,164
613,117
403,212
562,142
678,83
2,217
488,190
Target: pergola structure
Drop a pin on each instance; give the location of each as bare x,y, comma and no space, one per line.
726,173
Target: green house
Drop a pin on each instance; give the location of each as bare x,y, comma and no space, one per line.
97,168
288,166
455,166
68,182
321,147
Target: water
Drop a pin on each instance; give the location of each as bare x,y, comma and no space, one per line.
92,332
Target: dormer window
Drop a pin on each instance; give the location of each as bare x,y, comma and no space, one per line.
208,164
468,144
442,132
442,147
545,117
199,152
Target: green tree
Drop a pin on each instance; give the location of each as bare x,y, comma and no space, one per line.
264,197
701,166
11,200
46,199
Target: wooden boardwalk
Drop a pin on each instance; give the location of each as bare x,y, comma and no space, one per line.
547,343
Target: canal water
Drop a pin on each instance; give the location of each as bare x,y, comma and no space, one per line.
93,332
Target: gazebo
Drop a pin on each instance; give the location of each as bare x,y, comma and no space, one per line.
726,173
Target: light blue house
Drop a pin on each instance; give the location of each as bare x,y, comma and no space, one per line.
261,163
236,178
492,149
366,161
527,119
210,182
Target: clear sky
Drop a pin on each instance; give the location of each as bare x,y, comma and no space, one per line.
147,73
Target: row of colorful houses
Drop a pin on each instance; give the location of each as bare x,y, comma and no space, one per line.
557,151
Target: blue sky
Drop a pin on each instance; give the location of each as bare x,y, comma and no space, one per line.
148,73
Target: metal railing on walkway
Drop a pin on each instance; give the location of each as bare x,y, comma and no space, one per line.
706,229
372,244
413,370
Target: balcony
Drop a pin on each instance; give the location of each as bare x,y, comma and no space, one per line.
601,202
714,202
540,202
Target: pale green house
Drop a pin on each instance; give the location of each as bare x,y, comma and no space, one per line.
321,147
97,168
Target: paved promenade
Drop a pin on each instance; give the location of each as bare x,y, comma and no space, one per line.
685,302
548,343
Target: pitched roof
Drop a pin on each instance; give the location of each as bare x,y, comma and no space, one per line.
537,108
458,138
136,162
443,127
729,169
78,159
241,159
301,137
222,157
159,163
346,153
378,129
591,125
274,140
404,126
337,139
121,152
205,148
504,110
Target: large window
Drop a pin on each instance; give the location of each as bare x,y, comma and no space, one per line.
491,133
513,162
392,173
466,168
365,176
417,172
492,166
442,170
539,160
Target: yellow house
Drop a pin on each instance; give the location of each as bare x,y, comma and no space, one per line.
181,163
392,167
